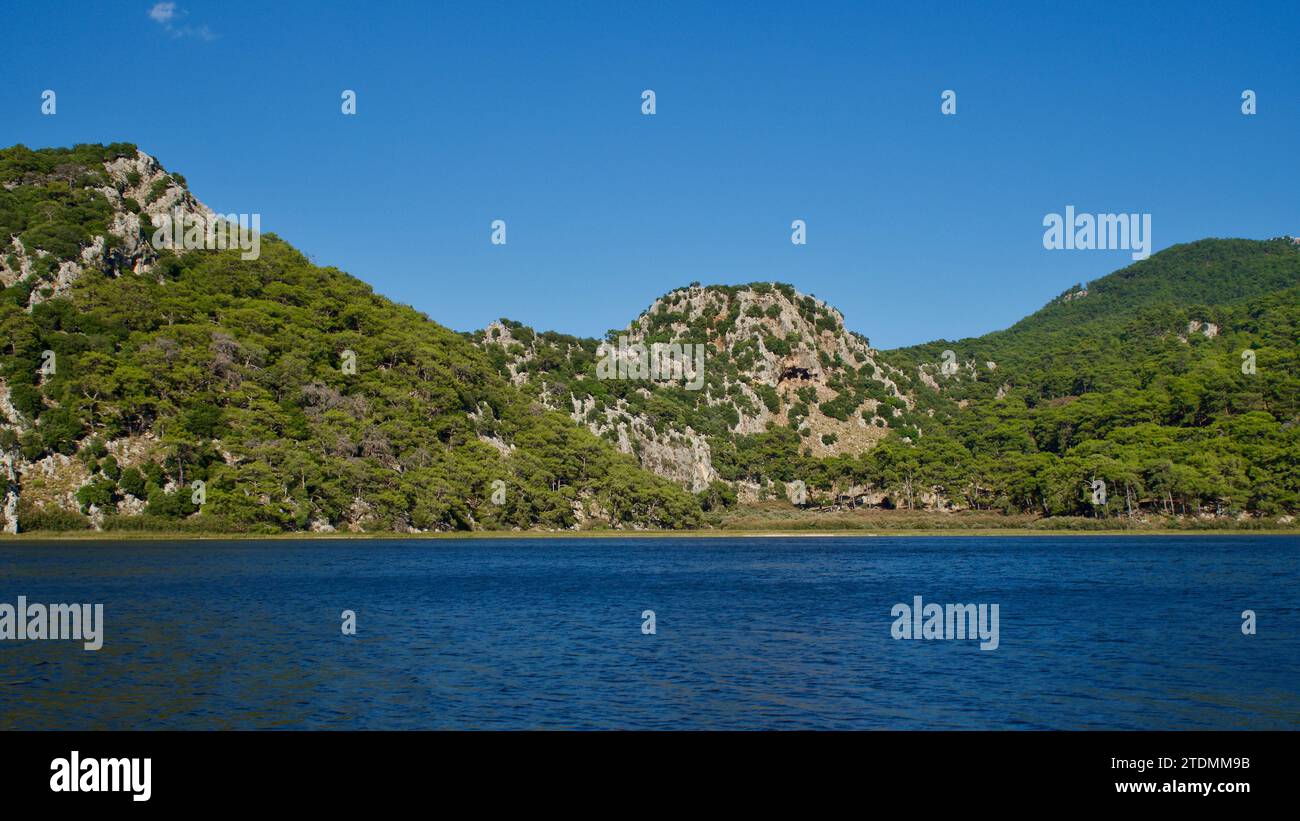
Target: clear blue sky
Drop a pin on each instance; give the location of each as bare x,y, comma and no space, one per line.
920,226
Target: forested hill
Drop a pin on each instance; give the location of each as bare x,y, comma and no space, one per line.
1175,380
141,388
1102,335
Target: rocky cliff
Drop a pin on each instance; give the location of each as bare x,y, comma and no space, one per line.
771,357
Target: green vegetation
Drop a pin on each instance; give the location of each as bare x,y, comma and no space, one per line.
1121,384
52,205
1116,385
229,372
780,517
565,366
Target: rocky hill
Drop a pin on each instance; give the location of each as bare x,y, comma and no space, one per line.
152,383
771,358
92,206
1175,382
143,385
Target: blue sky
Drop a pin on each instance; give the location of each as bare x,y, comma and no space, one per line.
920,226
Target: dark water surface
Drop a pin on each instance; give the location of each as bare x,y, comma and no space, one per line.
1095,632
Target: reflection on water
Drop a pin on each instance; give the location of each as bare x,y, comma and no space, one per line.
1096,632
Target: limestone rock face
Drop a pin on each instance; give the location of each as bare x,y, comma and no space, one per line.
1208,329
500,334
680,455
137,189
770,356
10,477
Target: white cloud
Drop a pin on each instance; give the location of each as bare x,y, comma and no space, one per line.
167,15
162,12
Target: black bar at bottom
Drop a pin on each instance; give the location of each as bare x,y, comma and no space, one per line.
218,770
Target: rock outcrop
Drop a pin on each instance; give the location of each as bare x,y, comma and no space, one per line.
136,189
771,357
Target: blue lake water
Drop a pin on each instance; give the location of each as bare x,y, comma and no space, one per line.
768,633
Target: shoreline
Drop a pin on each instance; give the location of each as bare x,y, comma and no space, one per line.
879,533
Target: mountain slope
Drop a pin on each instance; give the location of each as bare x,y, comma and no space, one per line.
1098,338
146,387
779,371
170,369
1137,382
1176,381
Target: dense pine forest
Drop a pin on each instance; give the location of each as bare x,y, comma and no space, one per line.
230,372
147,389
1175,380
